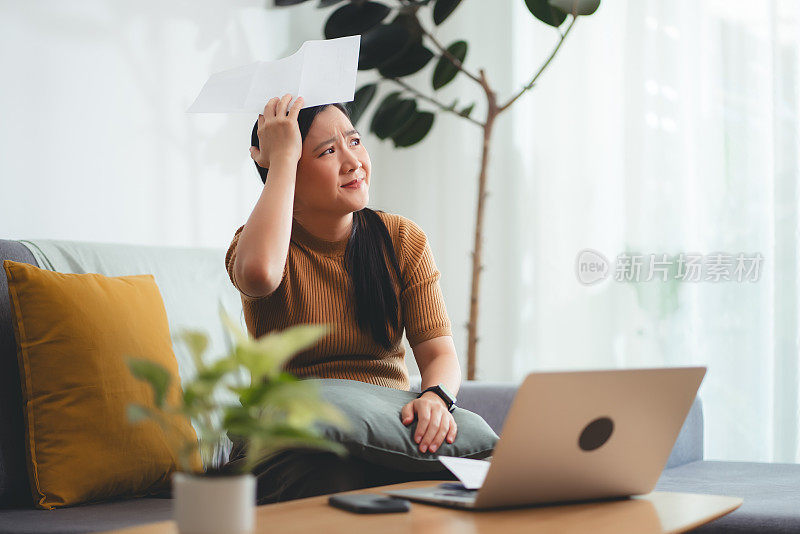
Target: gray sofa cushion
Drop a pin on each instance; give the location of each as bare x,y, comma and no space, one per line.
771,493
14,488
99,517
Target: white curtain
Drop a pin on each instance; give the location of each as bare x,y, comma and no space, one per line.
669,127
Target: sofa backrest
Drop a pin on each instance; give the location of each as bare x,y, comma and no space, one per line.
14,488
193,283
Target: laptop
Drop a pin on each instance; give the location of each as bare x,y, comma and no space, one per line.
579,436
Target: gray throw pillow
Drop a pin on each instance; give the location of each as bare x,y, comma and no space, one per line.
378,435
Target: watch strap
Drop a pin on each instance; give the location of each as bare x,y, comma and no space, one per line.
450,402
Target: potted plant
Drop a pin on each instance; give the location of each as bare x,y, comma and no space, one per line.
275,411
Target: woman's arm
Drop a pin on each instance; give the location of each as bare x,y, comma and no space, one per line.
264,241
438,364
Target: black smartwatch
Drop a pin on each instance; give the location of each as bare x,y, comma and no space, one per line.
448,399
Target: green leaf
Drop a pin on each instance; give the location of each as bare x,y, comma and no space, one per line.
576,7
265,356
467,110
415,131
412,60
442,10
362,98
387,102
216,371
137,413
547,13
393,117
158,377
445,71
282,345
355,19
382,44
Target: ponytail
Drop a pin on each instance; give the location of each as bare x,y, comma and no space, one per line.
377,306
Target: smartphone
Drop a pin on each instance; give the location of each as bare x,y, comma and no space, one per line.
369,503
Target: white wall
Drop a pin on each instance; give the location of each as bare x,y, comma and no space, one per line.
95,143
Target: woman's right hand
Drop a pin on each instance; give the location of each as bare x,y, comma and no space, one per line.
278,132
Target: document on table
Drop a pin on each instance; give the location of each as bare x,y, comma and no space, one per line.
322,71
470,472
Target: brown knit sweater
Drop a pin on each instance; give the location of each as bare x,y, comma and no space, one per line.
315,288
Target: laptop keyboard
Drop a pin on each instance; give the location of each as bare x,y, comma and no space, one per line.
455,489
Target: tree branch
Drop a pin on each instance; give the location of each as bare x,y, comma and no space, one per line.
454,60
544,66
433,100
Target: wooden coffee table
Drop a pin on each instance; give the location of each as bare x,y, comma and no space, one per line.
655,512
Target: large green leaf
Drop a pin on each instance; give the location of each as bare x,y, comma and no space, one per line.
576,7
265,356
216,371
445,71
415,131
362,98
412,60
154,374
547,13
442,10
355,19
388,101
393,117
382,44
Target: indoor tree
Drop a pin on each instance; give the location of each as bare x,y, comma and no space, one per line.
404,46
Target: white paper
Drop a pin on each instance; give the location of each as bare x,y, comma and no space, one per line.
322,71
470,472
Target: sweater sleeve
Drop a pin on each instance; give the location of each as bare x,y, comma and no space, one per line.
424,312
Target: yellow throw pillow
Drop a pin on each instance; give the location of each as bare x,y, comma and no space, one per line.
73,333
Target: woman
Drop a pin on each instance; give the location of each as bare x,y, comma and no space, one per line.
312,252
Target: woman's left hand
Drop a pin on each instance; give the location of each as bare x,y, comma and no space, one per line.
434,421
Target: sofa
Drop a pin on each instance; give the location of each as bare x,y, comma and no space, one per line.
192,282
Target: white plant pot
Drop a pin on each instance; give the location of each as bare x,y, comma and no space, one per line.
210,505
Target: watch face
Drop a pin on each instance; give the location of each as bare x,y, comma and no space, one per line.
447,394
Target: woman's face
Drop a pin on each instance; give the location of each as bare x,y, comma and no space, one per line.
332,156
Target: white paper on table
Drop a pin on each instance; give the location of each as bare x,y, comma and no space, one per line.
470,472
322,71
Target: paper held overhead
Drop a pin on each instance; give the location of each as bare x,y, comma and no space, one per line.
322,71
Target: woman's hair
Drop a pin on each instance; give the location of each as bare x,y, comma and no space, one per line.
377,306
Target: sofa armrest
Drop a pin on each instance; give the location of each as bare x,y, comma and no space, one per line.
490,400
689,445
